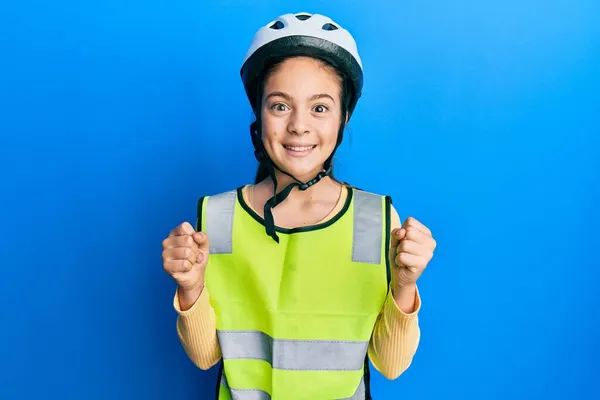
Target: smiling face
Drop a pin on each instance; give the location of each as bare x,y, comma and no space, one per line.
301,115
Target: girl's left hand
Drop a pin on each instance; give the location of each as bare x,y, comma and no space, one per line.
414,246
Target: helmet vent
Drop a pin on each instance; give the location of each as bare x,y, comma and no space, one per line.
303,17
277,25
329,27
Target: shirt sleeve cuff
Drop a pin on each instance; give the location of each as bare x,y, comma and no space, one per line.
200,304
396,312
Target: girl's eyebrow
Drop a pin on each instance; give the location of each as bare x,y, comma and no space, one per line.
312,98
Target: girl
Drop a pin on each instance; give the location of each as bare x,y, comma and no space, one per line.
296,281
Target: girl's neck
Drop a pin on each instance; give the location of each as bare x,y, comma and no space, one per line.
324,188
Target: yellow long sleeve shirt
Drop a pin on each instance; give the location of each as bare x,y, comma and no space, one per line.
392,347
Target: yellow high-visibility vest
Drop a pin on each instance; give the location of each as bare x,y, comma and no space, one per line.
294,318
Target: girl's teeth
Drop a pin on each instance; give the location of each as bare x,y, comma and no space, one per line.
295,148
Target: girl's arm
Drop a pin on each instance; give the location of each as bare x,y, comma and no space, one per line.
197,330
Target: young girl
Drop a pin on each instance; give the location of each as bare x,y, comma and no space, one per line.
296,281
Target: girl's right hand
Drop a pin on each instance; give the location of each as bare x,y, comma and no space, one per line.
185,256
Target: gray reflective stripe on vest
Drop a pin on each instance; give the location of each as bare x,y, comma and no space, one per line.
219,222
368,226
244,394
304,355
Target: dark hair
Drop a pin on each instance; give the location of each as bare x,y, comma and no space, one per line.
263,170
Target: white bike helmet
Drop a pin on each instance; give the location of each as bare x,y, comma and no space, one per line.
303,34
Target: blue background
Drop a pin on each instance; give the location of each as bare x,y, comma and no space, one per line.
480,118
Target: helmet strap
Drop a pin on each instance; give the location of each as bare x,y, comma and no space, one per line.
278,198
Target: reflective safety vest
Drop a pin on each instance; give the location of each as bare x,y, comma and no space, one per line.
294,318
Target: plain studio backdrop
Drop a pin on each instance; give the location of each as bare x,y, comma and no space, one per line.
479,118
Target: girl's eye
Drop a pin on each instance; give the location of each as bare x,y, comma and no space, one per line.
320,108
279,107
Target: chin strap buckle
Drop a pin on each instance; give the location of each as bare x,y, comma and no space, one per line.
316,179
